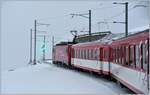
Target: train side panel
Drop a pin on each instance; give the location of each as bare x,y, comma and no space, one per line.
91,58
130,62
62,54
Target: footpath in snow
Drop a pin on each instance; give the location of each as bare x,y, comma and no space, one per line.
50,79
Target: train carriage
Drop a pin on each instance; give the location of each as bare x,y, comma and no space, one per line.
61,54
125,59
91,56
130,64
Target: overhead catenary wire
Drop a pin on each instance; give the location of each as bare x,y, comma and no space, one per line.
108,19
93,9
66,15
114,16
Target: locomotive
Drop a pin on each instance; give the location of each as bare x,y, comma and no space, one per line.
125,59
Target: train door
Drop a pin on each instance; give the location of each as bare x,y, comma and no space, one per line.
145,57
97,57
72,55
101,58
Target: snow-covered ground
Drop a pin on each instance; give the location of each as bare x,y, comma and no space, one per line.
48,78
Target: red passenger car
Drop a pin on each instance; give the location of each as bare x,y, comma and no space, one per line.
62,54
91,56
125,59
130,64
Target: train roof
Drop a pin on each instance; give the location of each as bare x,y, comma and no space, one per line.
110,38
135,34
64,43
89,44
133,38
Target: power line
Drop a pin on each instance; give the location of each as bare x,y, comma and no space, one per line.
54,18
60,17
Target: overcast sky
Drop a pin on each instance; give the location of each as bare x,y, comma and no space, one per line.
17,18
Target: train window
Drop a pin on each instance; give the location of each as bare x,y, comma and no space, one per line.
137,56
74,53
110,55
119,60
124,54
145,58
88,53
120,55
114,58
131,56
96,55
120,52
84,54
127,55
116,55
81,53
106,55
101,54
78,53
91,53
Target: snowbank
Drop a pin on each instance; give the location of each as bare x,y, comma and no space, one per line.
47,78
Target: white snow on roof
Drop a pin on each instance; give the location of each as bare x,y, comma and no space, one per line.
138,29
114,36
50,79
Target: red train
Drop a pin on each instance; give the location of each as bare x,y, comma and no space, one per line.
125,59
62,54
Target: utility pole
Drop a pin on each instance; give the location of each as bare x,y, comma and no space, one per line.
89,17
35,22
35,32
53,48
126,17
89,22
30,46
44,47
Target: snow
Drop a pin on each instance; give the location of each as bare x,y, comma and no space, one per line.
50,79
138,29
114,36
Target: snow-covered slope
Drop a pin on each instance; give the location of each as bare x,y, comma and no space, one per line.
47,78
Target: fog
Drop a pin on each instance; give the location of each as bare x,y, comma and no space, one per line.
17,18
